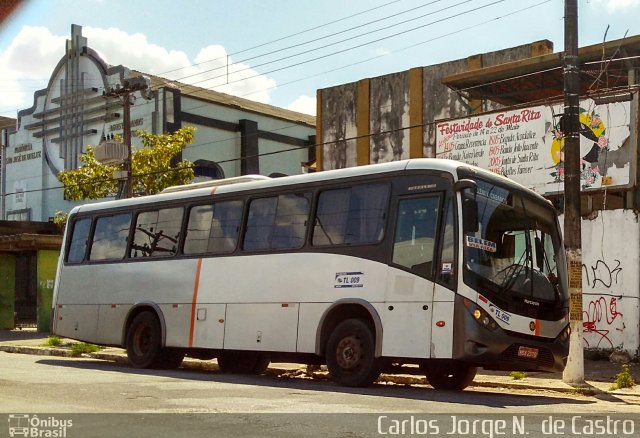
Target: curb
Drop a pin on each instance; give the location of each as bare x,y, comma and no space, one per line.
399,379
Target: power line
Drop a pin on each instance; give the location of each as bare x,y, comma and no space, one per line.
348,49
368,59
328,36
288,36
351,48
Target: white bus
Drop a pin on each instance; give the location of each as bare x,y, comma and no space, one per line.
427,262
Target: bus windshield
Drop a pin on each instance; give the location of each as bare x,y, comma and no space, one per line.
511,248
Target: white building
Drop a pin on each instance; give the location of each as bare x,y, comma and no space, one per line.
234,136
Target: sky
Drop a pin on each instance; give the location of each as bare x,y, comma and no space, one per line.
281,52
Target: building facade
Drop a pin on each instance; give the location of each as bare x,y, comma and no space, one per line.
234,136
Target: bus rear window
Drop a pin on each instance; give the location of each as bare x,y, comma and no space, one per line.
79,240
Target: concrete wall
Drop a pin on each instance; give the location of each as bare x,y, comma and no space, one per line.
611,281
7,291
392,117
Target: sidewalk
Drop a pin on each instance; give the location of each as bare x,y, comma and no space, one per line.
599,375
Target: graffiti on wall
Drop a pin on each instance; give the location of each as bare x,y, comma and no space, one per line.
602,322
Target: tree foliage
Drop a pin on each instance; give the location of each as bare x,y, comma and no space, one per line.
151,168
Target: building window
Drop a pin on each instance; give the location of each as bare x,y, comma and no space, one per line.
206,170
19,215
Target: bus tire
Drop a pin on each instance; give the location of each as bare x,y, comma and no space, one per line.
243,362
449,375
350,354
143,341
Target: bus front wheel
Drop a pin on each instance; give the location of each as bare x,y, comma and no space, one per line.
350,354
143,344
449,374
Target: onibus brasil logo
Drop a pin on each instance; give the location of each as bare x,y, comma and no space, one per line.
29,425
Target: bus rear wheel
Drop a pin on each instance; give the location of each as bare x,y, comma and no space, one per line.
243,362
350,354
143,344
450,375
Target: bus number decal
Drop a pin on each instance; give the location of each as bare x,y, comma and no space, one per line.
349,279
500,314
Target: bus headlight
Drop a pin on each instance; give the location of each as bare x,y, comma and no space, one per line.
480,315
565,334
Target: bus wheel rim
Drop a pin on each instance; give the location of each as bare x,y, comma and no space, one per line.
349,352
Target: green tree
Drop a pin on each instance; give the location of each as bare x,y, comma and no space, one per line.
151,168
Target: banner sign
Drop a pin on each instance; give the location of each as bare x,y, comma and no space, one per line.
527,145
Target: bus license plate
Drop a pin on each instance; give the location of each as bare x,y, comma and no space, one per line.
528,352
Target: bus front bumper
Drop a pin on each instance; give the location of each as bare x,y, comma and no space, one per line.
500,350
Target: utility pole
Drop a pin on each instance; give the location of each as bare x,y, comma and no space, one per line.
574,371
128,87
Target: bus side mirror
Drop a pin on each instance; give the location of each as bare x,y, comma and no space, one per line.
469,205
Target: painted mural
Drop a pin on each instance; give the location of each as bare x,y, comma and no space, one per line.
527,145
339,129
389,116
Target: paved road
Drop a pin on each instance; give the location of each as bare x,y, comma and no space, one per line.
45,385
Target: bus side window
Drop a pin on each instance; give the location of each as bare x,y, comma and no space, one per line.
278,222
110,237
79,240
213,228
157,233
351,216
414,246
448,255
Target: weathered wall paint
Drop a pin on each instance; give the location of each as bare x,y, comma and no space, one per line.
46,271
7,291
339,130
389,118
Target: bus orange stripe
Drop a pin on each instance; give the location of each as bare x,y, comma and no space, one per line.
194,300
537,327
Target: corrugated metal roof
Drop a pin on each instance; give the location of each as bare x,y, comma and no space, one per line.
603,67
